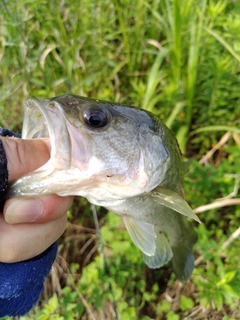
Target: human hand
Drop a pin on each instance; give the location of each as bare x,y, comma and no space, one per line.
29,226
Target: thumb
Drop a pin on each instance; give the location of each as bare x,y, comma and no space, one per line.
24,156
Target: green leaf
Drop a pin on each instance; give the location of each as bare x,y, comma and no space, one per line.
218,300
172,316
186,303
164,306
228,277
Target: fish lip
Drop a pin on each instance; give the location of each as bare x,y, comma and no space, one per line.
34,125
46,118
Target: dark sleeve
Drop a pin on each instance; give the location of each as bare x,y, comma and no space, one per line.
21,283
3,162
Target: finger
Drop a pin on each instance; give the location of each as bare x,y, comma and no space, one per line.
24,241
24,156
36,209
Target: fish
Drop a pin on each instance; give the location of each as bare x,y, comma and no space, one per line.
122,158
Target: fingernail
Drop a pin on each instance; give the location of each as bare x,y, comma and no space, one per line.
23,211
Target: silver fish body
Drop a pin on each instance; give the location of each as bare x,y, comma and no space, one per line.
119,157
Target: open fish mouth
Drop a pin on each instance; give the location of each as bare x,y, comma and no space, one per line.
66,172
46,119
42,119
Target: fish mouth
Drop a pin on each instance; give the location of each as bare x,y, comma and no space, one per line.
46,118
62,173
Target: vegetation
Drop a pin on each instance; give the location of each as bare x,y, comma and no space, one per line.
178,59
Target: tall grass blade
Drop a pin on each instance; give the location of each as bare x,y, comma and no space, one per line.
177,41
223,42
153,80
123,28
156,15
174,19
175,111
193,61
215,128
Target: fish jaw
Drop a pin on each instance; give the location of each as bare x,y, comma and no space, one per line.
46,118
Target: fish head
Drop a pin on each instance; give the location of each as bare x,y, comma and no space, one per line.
98,149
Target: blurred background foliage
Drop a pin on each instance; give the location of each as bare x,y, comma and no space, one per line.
179,60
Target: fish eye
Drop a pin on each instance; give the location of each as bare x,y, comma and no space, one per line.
96,117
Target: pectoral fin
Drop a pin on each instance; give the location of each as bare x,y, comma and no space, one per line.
142,234
172,200
163,253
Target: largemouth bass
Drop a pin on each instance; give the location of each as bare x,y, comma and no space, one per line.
119,157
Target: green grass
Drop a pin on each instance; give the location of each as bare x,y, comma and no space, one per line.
178,59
